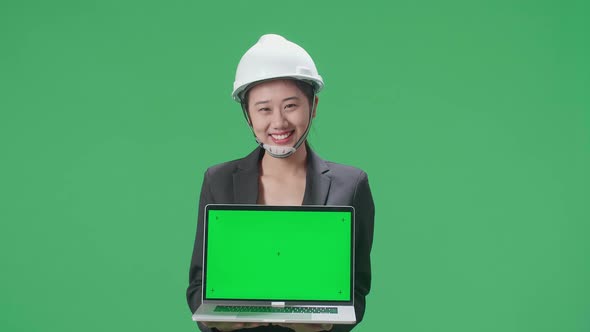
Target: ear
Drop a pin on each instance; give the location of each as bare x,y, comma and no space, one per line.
315,108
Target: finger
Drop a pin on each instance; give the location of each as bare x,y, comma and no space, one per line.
289,325
252,325
225,326
237,326
307,327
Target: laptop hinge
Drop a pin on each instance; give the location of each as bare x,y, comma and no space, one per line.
277,304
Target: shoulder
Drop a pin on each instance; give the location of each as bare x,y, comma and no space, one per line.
225,168
346,180
337,171
334,169
228,168
349,185
346,176
345,171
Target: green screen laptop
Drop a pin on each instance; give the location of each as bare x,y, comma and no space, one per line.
278,264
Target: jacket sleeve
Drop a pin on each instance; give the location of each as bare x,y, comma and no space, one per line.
364,225
194,290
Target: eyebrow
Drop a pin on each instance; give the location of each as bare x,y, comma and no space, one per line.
284,100
291,98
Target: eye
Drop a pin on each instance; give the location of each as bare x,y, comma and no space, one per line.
290,106
264,109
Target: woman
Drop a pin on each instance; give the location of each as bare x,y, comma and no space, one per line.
276,84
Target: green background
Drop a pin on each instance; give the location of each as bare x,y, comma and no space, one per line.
472,119
279,255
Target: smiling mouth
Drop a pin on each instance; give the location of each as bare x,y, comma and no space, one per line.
281,136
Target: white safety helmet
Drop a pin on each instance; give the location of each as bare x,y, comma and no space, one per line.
271,57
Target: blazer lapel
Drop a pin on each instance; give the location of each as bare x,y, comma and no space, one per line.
318,180
246,179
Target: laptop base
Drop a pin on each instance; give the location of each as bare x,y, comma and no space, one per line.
206,313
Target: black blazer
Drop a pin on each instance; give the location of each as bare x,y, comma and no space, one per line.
327,183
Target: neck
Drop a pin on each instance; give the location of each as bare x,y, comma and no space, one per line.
293,164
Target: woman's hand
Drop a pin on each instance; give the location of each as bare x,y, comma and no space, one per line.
226,327
308,327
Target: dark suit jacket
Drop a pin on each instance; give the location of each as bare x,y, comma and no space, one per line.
327,183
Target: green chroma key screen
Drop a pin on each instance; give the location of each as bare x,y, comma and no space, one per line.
278,255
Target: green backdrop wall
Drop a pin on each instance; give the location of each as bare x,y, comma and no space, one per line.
472,119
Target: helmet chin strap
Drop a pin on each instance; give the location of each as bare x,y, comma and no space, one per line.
279,151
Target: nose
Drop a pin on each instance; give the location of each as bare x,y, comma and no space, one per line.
278,119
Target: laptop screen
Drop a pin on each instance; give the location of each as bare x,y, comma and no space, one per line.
272,253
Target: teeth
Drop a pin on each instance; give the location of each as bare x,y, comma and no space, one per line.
279,137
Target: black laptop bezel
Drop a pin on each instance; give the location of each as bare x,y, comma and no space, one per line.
254,207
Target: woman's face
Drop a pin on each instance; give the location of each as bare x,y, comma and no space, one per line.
279,112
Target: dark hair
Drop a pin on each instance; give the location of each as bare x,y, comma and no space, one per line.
306,88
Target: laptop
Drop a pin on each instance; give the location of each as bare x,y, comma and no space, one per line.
278,264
